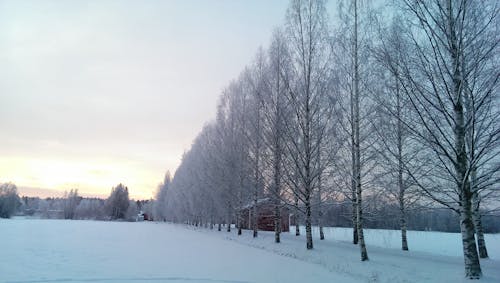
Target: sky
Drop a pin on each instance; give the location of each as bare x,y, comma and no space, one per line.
97,93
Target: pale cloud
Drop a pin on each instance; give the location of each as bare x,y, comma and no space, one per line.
116,87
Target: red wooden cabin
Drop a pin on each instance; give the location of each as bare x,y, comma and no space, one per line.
265,216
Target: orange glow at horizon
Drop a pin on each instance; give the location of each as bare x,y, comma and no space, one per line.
90,178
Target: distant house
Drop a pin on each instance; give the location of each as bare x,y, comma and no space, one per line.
265,216
142,216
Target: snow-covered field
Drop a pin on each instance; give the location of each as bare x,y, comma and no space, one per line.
439,243
35,250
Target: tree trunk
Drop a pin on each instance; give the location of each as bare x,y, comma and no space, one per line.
309,241
255,220
219,226
255,217
277,158
471,259
353,170
277,222
277,205
321,233
402,189
483,252
354,219
478,225
476,216
296,217
359,206
239,212
320,214
404,240
470,135
238,220
257,171
254,209
359,215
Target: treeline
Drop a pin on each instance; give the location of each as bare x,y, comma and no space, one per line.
385,216
390,104
117,206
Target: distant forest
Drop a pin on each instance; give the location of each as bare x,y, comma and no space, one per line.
117,206
336,215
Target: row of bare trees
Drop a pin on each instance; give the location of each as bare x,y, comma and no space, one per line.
399,103
117,206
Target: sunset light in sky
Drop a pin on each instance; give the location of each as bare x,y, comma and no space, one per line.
96,93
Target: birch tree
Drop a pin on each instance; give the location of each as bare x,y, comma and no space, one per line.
353,39
275,115
452,42
357,162
307,32
400,160
480,87
160,204
356,140
234,147
256,78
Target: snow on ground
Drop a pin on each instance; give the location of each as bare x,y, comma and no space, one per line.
92,251
439,243
387,262
35,250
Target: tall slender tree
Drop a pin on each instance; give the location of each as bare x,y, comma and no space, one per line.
452,43
307,31
275,115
